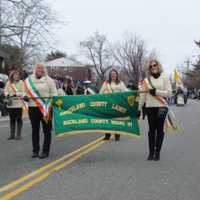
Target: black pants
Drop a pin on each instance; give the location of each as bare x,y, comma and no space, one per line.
15,117
108,135
156,119
36,117
143,111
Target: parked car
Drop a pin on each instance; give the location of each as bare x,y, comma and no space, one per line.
3,80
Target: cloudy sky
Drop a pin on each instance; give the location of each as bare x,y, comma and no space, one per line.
168,26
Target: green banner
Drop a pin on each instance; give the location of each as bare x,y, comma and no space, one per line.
100,113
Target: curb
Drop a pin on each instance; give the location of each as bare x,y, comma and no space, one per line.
3,119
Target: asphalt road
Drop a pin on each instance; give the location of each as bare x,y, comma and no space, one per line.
114,170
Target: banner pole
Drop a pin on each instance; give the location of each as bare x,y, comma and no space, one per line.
16,97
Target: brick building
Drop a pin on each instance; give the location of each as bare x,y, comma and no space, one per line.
62,68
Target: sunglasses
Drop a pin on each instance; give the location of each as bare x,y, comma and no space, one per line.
155,65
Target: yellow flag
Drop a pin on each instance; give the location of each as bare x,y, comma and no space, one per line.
177,76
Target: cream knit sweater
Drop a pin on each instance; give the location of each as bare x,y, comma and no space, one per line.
113,87
163,89
16,101
45,86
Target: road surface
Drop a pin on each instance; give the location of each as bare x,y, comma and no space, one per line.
104,170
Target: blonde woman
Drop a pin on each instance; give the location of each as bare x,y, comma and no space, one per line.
114,84
158,87
40,88
14,91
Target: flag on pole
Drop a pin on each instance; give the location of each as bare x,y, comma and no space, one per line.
177,76
178,80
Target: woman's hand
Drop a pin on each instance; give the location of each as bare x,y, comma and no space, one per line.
153,91
26,98
138,114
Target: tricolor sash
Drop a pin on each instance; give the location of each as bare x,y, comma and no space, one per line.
158,98
17,94
45,106
170,121
107,88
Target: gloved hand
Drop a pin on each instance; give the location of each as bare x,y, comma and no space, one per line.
153,91
138,114
26,99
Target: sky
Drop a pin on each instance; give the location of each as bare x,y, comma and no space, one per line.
167,26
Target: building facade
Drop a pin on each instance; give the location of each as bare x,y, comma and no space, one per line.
63,68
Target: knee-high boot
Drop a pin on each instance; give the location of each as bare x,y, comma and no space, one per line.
12,131
151,137
19,130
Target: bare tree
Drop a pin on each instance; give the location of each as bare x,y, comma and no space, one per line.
55,55
27,24
97,51
8,27
192,76
131,55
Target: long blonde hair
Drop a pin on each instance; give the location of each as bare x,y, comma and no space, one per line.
12,73
160,68
43,65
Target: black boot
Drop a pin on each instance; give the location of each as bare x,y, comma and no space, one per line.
107,136
12,131
117,137
34,155
19,130
151,136
43,156
150,156
159,142
10,138
157,156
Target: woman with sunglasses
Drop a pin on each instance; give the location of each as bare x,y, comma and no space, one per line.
114,84
158,87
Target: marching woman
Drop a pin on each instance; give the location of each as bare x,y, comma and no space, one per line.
114,84
68,87
157,86
14,92
40,88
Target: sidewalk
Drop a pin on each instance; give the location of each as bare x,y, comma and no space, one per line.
4,118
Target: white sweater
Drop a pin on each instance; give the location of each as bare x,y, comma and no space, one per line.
113,87
163,89
16,102
45,86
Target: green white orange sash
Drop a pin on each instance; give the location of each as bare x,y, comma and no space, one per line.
158,98
107,88
16,93
44,106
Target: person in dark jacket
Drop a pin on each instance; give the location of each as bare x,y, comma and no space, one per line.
68,87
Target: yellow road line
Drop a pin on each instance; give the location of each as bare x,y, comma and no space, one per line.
46,167
64,164
12,194
44,176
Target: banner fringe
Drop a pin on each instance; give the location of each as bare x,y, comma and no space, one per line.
95,132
